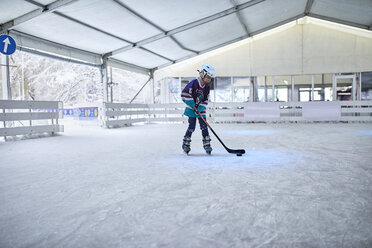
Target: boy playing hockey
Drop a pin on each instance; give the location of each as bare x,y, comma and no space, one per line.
195,95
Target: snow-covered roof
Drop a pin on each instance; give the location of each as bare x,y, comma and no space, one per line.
146,35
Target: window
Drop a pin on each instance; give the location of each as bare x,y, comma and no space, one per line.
174,89
327,87
241,89
319,90
366,86
263,87
223,89
157,91
302,87
344,86
282,88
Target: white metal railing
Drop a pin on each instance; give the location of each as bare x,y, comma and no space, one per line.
29,117
225,112
356,111
347,111
123,114
120,114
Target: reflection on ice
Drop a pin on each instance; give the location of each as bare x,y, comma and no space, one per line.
364,132
253,158
255,132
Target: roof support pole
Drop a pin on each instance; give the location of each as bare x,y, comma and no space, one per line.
5,74
150,77
252,92
5,77
104,79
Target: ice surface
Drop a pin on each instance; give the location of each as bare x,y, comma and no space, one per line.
298,185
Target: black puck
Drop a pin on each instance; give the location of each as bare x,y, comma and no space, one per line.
238,154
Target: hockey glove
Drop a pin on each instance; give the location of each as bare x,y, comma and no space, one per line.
200,108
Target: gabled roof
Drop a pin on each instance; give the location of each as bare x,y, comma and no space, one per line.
146,35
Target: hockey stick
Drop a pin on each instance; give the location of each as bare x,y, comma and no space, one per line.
238,152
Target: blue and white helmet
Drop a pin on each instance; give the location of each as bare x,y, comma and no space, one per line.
208,70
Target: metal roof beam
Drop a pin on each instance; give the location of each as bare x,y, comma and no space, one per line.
241,20
139,44
277,24
89,26
152,24
138,15
331,19
52,56
237,39
215,16
159,55
190,25
203,51
58,48
35,3
35,13
309,4
54,50
126,66
182,46
106,33
29,41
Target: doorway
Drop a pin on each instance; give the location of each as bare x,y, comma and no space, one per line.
344,87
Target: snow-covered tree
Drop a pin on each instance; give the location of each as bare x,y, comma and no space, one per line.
39,78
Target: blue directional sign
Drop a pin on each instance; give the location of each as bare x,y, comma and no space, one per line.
7,45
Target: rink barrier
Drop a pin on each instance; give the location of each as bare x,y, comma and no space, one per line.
30,117
123,114
330,111
120,114
356,111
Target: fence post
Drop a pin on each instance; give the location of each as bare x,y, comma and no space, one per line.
4,124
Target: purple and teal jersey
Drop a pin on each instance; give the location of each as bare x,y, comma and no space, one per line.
195,95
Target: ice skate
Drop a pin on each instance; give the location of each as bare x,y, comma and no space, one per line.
186,144
207,144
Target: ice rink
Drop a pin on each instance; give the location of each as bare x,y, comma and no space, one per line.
298,185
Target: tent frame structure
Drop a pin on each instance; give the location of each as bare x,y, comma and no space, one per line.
102,61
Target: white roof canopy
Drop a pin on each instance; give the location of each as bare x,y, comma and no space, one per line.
146,35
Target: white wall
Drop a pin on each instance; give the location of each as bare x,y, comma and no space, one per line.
306,46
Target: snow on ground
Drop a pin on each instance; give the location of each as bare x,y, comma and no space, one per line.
298,185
